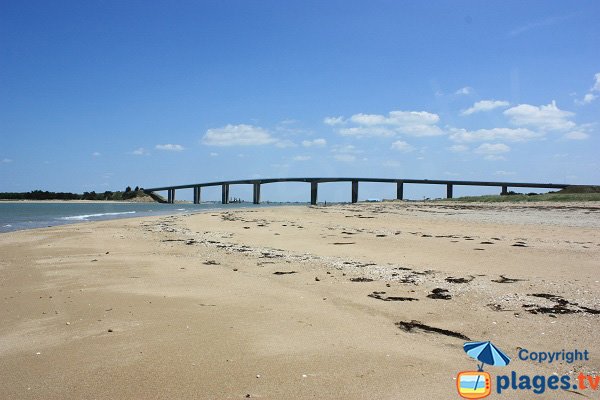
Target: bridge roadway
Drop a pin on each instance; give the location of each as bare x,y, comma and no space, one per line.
314,183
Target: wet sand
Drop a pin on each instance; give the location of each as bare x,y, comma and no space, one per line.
340,302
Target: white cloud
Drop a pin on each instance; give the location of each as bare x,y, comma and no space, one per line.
334,121
169,147
237,135
6,160
458,148
548,117
345,157
302,158
596,87
481,135
464,91
316,143
363,131
140,152
492,149
402,146
576,135
412,123
96,154
485,105
588,98
213,154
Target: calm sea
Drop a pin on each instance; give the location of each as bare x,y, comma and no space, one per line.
18,216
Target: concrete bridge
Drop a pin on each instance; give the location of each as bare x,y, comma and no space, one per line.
314,185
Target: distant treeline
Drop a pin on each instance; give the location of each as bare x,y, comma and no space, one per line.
46,195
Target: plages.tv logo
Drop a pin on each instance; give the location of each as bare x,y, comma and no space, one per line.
478,384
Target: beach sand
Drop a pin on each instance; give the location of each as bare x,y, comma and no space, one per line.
364,301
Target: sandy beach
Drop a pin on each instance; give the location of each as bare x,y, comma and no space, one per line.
364,301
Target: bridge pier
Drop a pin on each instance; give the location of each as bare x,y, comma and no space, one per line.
256,194
449,191
171,196
314,186
504,190
354,191
400,190
225,193
197,194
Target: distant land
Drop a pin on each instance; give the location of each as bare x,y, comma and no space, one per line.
128,194
571,193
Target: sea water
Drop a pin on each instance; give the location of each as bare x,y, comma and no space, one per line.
16,216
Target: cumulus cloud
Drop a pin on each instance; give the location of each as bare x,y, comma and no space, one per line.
334,121
596,87
402,146
485,105
169,147
140,152
238,135
315,143
492,149
412,123
548,117
464,91
482,135
576,135
590,96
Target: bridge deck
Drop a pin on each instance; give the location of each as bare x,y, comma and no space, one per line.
314,183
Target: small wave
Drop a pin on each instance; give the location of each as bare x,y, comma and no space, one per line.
87,216
7,226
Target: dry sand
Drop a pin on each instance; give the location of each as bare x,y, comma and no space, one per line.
278,303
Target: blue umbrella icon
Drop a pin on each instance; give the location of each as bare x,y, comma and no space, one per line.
487,353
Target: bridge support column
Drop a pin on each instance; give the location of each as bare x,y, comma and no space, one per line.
504,190
449,191
225,193
354,191
400,190
256,194
314,186
171,196
197,194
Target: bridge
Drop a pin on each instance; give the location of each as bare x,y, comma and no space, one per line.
314,185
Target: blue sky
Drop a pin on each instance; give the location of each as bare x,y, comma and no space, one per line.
102,94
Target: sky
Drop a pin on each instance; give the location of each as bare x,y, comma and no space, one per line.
98,95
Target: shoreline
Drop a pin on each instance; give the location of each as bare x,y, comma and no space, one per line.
295,302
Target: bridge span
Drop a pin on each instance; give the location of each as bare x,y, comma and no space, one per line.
314,185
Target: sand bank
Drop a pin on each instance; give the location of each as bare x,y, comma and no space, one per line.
345,302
